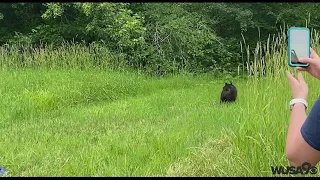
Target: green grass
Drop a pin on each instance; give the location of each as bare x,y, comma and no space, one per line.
60,123
58,114
73,122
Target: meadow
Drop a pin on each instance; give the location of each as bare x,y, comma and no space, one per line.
103,122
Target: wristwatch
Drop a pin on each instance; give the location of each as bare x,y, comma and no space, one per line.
298,100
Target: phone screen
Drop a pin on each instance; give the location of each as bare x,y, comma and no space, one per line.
299,45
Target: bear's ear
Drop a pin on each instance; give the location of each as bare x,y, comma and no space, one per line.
230,83
226,84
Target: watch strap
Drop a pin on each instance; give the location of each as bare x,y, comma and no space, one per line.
298,100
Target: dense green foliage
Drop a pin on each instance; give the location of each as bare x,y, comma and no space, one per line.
155,37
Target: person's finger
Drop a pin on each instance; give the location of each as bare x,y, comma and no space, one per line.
306,60
300,77
301,69
290,78
313,54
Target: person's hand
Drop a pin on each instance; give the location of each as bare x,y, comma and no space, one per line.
298,86
314,64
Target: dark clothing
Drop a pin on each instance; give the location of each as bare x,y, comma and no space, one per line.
311,126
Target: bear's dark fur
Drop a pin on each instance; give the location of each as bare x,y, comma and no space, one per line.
229,93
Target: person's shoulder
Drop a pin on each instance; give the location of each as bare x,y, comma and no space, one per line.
310,127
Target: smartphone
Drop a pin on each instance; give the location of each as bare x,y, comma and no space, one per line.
298,46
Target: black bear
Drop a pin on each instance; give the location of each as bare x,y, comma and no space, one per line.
229,93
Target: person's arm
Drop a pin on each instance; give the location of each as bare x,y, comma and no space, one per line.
303,140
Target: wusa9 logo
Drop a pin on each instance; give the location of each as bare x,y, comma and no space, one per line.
305,168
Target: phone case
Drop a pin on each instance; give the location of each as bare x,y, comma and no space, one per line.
292,53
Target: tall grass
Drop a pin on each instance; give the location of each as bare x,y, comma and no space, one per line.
268,59
69,55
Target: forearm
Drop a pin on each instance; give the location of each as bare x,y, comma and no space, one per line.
303,140
298,117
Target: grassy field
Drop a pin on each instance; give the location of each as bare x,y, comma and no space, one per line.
87,123
110,123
